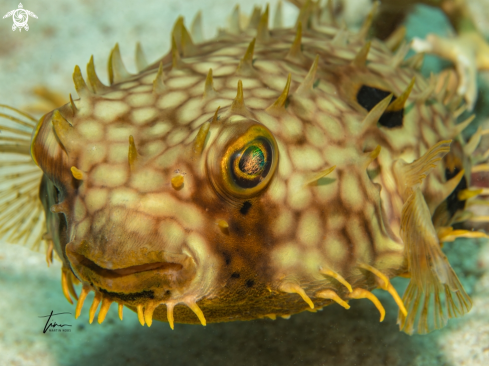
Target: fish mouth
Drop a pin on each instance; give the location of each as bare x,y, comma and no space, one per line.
127,271
172,271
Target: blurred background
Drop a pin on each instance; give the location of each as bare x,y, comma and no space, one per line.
65,34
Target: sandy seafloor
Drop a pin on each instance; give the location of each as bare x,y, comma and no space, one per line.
67,33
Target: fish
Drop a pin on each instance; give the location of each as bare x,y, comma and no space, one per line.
260,174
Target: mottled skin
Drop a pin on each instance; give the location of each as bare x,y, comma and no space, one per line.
135,238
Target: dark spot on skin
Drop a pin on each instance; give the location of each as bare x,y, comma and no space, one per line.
167,292
245,208
392,119
235,275
227,258
453,203
237,229
368,97
130,297
250,283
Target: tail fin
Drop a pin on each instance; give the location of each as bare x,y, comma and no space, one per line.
434,293
21,212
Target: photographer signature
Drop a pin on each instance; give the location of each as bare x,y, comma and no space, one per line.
53,325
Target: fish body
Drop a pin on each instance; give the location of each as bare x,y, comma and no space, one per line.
259,174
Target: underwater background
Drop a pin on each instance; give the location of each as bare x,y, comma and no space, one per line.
65,34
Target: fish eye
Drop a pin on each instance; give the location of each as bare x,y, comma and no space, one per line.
248,158
251,164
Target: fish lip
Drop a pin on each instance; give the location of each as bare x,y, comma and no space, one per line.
82,260
103,259
147,275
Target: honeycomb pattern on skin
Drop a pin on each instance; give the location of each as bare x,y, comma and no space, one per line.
143,208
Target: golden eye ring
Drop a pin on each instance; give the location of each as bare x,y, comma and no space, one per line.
248,156
251,164
250,161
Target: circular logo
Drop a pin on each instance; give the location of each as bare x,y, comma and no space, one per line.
20,18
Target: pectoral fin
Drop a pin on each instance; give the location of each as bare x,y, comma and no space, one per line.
434,293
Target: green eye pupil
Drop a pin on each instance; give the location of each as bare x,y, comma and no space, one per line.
252,161
251,164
